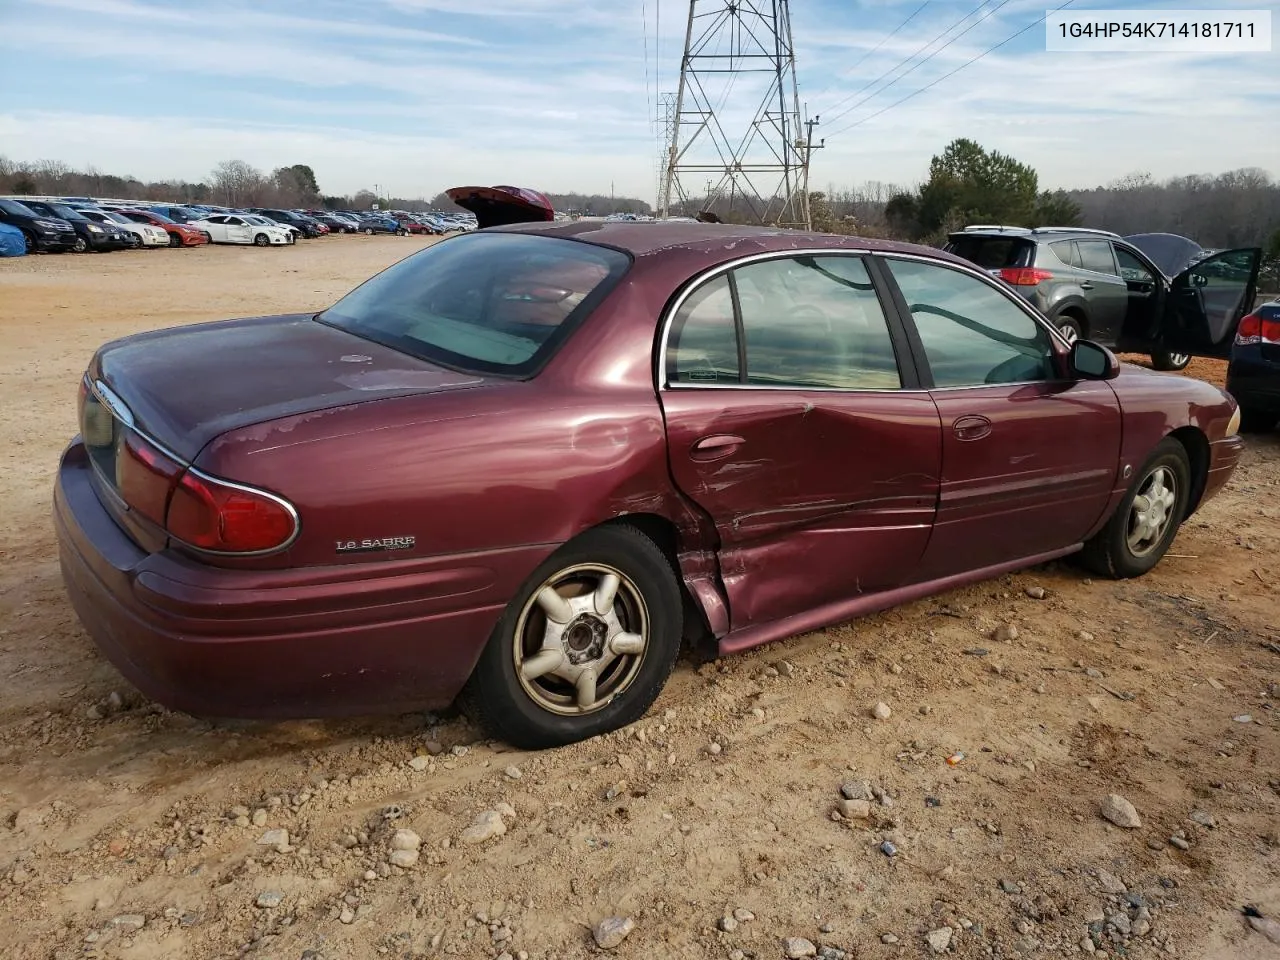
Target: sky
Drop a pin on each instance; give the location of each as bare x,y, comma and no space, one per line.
415,96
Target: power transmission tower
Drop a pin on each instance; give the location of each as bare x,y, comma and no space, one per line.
666,125
742,47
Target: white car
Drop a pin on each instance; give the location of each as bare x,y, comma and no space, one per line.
144,234
243,228
294,233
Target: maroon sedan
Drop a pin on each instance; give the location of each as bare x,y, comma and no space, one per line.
525,463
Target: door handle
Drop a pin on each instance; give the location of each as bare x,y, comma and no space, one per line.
715,446
1086,285
971,427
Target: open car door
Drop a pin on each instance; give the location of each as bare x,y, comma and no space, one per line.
1207,301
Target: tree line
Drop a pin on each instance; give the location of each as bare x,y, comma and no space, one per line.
966,184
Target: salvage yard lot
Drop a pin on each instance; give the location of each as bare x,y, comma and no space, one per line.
130,831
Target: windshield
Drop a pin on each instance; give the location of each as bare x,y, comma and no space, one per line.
17,209
112,215
494,303
62,211
161,217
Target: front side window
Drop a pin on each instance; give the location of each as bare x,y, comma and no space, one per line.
1133,269
972,334
490,303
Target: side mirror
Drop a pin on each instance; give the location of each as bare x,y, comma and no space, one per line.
1092,361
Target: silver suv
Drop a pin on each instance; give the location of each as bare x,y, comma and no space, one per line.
1153,293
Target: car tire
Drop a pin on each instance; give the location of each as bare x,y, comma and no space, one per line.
1120,549
261,240
81,245
29,241
1253,420
544,711
175,240
1169,361
368,231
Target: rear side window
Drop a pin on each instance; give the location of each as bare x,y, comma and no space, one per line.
815,322
1096,255
993,253
491,303
704,341
1065,250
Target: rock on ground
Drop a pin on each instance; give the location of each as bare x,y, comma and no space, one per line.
1120,812
794,948
611,931
938,939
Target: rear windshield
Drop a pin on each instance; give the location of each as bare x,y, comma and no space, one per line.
491,303
993,253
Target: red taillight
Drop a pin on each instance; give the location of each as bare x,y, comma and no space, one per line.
1255,328
228,518
1024,276
145,477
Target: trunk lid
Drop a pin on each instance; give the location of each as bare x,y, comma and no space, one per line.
183,387
499,206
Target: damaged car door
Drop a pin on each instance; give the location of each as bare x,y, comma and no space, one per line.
796,422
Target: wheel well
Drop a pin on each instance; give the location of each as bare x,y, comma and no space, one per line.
663,533
1197,447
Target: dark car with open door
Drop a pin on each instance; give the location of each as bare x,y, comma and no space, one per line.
1155,293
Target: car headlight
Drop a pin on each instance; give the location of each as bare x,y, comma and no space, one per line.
94,228
1233,425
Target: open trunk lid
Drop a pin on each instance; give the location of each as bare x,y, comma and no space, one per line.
499,206
183,387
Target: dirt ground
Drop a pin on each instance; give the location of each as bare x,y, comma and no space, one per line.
128,831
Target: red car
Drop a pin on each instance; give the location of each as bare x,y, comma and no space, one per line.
180,234
528,463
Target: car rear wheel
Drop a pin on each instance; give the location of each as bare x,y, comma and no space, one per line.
1168,360
584,647
1142,528
1070,327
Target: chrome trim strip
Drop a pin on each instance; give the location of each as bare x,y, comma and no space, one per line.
670,313
289,508
119,409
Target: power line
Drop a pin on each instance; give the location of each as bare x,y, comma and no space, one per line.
947,76
883,41
916,66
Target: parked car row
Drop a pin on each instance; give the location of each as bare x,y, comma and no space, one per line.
82,224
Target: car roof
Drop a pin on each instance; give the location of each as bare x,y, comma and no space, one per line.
711,242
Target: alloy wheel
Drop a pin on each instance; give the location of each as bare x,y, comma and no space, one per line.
580,639
1152,511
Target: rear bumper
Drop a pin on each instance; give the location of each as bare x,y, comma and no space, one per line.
345,639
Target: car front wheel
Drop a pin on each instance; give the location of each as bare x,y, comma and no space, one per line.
584,647
1168,360
1140,531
